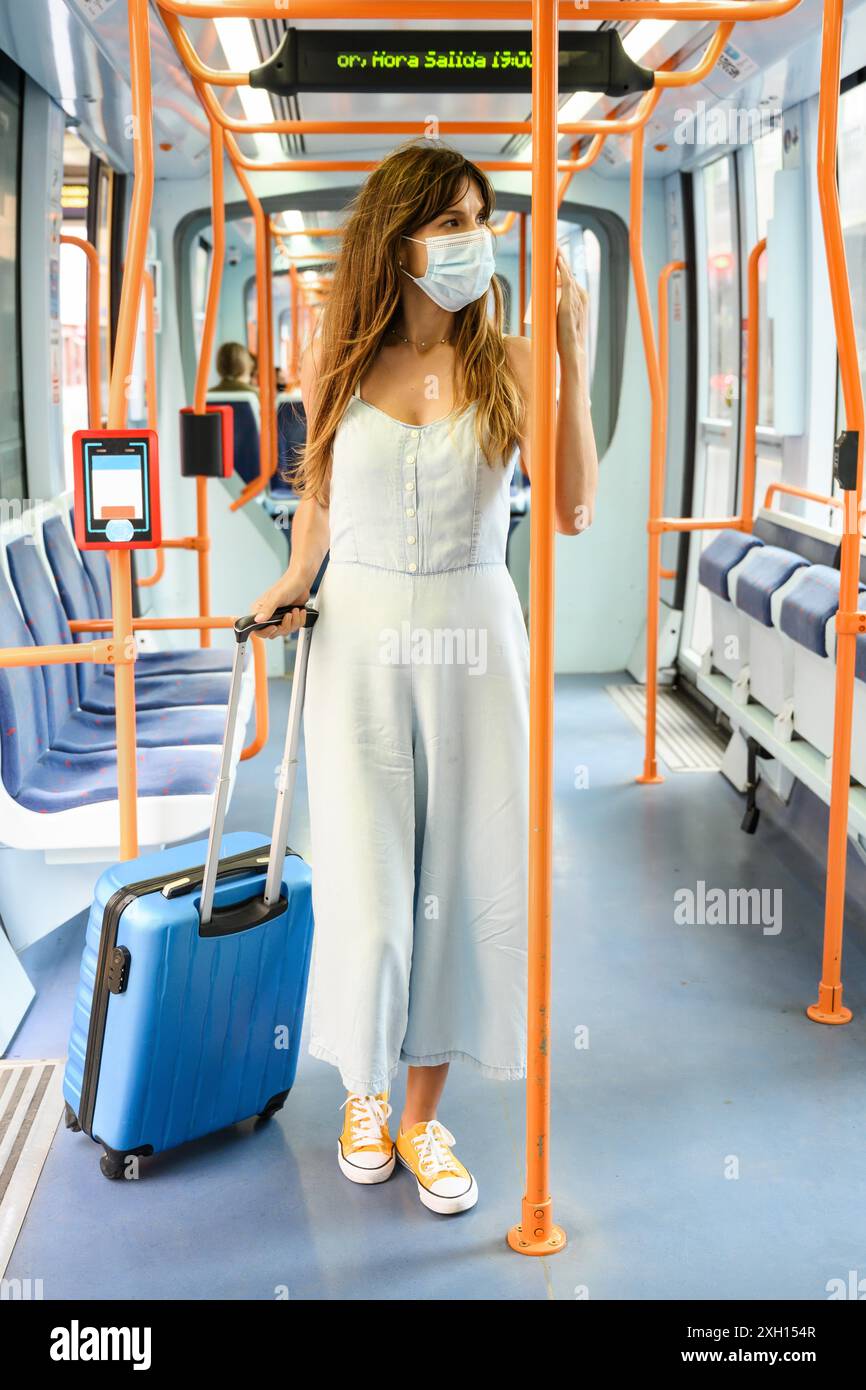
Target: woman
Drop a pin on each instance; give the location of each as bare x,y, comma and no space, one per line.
235,368
417,695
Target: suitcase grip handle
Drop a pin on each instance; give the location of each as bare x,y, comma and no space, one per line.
244,627
249,862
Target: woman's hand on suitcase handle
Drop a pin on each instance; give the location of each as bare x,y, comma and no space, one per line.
281,596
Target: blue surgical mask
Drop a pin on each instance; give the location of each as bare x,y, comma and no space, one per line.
459,268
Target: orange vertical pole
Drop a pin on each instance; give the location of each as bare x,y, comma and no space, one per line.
214,287
522,274
650,772
268,387
121,368
829,1007
94,378
747,505
537,1234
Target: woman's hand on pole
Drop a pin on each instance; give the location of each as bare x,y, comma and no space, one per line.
572,315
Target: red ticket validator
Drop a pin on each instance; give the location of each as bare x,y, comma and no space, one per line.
116,489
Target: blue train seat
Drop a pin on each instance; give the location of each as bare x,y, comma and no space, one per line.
70,728
96,683
165,663
768,574
246,411
38,782
807,618
718,568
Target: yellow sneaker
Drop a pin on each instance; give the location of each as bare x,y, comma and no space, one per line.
365,1149
444,1185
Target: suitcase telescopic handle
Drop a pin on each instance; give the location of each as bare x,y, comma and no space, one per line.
243,628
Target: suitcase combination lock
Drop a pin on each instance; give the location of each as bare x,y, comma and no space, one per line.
118,971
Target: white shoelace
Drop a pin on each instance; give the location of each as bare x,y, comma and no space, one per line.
368,1119
433,1156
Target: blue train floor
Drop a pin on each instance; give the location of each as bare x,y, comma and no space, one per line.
707,1138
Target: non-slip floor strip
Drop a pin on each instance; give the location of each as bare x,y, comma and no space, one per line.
686,742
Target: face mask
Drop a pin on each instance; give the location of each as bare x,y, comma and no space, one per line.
459,268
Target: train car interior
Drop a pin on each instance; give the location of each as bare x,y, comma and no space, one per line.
175,181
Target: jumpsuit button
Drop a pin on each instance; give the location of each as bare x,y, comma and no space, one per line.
410,511
410,540
410,486
412,568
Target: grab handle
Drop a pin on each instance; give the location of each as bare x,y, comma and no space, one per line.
245,627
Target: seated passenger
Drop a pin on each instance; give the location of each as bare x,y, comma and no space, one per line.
235,367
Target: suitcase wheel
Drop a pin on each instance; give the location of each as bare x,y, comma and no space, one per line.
112,1163
274,1104
71,1119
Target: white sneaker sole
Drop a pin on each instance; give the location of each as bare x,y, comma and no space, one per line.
444,1206
365,1175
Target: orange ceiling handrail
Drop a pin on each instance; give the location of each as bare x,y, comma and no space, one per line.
750,424
304,231
829,1007
94,366
734,10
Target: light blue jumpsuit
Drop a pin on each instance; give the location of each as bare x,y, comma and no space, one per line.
416,727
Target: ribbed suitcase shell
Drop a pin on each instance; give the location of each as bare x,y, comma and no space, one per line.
207,1028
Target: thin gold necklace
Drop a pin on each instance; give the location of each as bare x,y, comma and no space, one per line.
420,344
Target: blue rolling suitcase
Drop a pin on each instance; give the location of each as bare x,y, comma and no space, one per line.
194,974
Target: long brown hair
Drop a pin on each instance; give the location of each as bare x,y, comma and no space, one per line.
414,184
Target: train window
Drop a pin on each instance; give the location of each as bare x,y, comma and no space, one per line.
583,251
13,480
251,316
723,305
767,153
99,223
73,294
767,161
717,240
201,254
